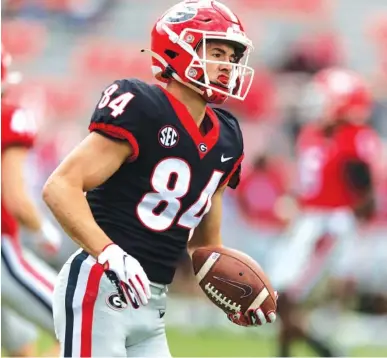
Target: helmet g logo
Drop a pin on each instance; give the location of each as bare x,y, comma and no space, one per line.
180,13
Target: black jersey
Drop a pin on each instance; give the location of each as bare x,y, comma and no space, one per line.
149,206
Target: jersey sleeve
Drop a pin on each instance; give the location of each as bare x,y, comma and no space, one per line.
232,176
369,149
361,160
367,146
119,114
18,127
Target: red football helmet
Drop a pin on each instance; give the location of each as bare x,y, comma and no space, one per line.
177,36
6,76
337,94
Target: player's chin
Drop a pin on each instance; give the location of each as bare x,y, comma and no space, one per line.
219,85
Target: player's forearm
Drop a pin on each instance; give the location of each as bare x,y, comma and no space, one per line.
26,213
200,238
70,207
191,248
15,195
208,232
365,207
19,204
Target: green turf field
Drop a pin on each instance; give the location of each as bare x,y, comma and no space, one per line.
225,344
215,343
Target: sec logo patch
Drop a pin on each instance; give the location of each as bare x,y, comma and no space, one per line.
168,137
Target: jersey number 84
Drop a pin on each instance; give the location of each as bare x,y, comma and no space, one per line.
171,197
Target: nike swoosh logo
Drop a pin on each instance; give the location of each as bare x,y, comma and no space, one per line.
247,290
225,159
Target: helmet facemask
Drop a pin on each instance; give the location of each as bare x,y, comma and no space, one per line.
314,103
340,97
240,76
8,77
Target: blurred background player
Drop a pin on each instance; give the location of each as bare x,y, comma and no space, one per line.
26,281
337,155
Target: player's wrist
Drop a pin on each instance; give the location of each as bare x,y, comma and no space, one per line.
99,247
47,236
47,228
106,246
109,251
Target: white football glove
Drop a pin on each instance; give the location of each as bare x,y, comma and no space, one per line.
252,318
127,274
48,238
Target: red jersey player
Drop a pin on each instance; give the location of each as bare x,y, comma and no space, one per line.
26,282
336,156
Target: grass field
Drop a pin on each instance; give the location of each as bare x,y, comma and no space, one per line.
225,344
216,343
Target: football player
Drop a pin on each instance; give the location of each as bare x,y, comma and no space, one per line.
154,169
26,281
336,160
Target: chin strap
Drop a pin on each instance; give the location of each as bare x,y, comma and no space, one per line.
175,76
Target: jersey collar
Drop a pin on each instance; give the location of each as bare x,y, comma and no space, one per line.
204,143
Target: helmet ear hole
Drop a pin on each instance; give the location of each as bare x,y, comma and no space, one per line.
168,72
171,54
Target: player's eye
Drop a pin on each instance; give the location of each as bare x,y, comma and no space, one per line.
234,59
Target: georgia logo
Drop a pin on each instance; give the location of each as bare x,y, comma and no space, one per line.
114,302
202,147
168,136
180,13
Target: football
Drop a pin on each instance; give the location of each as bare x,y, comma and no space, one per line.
232,280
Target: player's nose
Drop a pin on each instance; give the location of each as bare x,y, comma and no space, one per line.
225,67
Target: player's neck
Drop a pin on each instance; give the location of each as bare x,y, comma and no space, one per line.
330,129
195,104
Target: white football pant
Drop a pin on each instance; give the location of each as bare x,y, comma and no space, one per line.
27,284
365,261
16,332
297,267
90,319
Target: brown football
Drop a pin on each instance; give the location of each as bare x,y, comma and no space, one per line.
232,280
